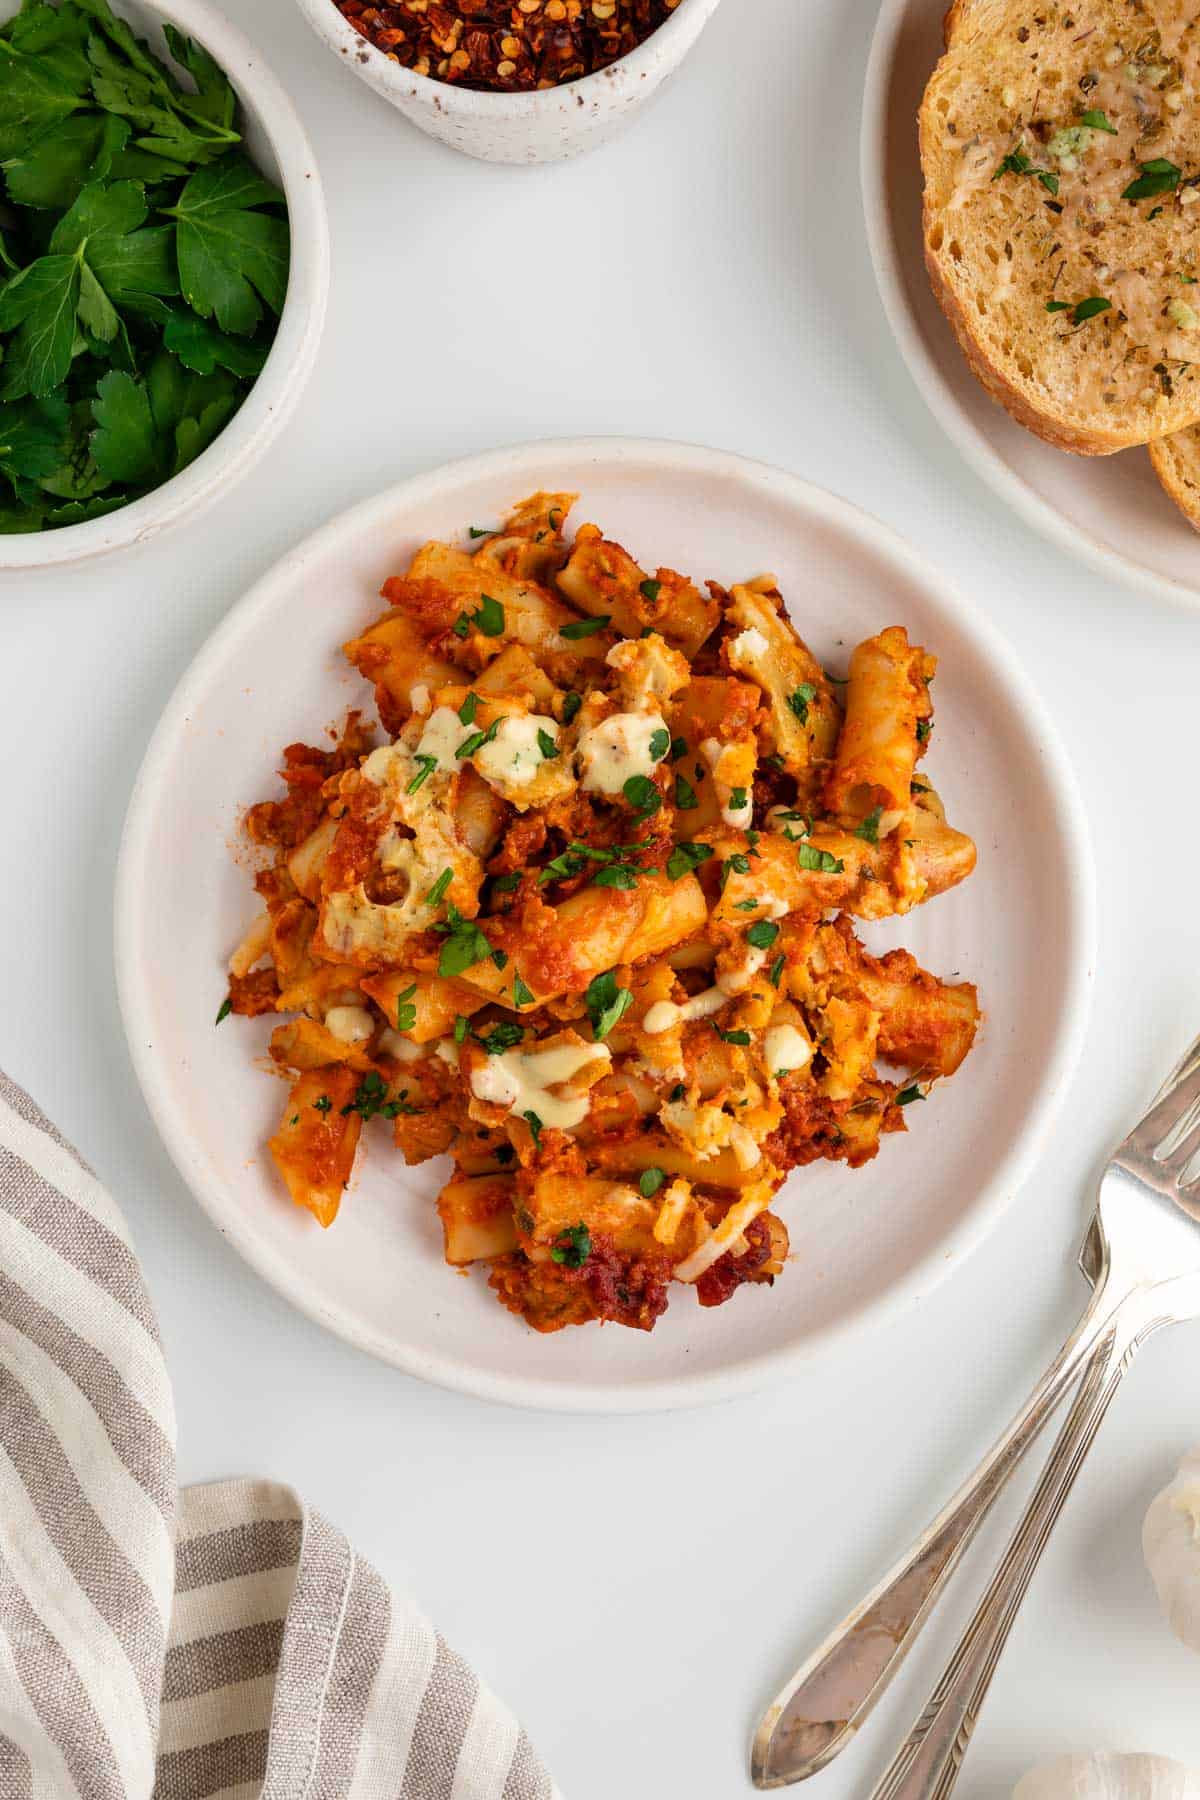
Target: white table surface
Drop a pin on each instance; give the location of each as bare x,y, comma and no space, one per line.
637,1588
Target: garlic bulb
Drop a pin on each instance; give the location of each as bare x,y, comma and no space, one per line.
1108,1775
1171,1546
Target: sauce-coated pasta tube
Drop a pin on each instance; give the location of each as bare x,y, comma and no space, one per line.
887,697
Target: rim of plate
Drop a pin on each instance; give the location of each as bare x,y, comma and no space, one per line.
931,384
676,1392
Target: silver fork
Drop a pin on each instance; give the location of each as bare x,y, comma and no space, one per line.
1142,1255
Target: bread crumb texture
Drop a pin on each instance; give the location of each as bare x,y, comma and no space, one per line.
1060,147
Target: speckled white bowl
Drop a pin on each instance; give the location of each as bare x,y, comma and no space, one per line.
546,126
277,142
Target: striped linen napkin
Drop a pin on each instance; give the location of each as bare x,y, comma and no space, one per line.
222,1643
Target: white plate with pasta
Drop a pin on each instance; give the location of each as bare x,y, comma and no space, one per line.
581,957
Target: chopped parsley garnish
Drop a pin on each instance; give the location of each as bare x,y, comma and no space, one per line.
522,995
570,706
562,868
738,799
686,857
581,628
406,1012
776,970
370,1100
908,1095
506,884
677,1092
679,748
1080,310
500,958
1158,176
464,945
1017,163
651,1181
1096,120
478,739
573,1246
660,743
437,892
737,864
606,1003
535,1127
747,906
547,745
801,699
323,1105
733,1037
924,727
489,619
869,829
426,766
478,531
642,795
650,591
223,1011
468,709
762,934
820,860
501,1037
616,876
685,794
461,1027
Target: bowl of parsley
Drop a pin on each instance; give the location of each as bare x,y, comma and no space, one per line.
164,269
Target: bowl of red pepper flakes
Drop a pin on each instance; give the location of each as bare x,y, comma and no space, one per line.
519,81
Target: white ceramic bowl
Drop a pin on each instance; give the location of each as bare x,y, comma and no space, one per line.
866,1243
277,142
545,126
1109,511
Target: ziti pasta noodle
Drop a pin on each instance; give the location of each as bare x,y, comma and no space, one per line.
580,917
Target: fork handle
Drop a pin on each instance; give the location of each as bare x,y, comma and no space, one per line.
819,1711
927,1764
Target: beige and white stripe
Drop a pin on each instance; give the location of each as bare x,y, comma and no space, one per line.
225,1643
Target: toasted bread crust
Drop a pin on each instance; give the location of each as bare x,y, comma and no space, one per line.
995,254
1176,461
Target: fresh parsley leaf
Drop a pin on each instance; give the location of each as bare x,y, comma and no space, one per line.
464,944
685,794
738,799
618,875
371,1099
477,740
650,1182
1088,309
547,745
677,1092
581,628
223,1012
908,1095
679,748
522,995
1098,121
506,884
502,1037
33,439
924,727
125,445
801,699
563,867
461,1027
650,591
488,619
737,864
762,934
822,861
642,795
606,1003
232,256
776,970
573,1246
203,349
1158,176
1048,180
437,892
733,1037
869,828
686,857
660,743
323,1104
535,1127
478,531
1015,163
570,706
468,709
406,1012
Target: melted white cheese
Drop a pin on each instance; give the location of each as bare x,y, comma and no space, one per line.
402,1048
514,757
443,733
616,749
523,1081
352,1024
419,697
665,1013
746,644
786,1049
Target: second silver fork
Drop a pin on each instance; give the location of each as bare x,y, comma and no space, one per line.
1142,1254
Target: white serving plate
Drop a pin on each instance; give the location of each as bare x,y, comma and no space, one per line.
1110,511
866,1244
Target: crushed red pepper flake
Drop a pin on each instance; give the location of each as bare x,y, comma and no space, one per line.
512,46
